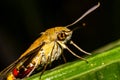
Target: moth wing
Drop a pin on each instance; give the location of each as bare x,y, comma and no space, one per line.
8,69
37,43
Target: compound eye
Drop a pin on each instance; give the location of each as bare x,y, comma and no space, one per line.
61,36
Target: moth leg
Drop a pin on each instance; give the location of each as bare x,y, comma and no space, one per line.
64,58
65,47
50,57
43,69
80,49
33,69
45,66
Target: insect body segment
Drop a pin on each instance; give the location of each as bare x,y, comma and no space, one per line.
44,50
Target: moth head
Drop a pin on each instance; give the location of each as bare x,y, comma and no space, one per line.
63,34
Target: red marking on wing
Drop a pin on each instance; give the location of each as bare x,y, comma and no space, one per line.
22,72
26,72
15,72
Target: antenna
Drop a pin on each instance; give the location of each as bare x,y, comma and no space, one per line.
85,14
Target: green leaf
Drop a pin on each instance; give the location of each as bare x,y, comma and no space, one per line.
101,66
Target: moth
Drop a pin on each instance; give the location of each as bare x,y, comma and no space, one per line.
44,50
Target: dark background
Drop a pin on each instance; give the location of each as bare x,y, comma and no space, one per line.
21,22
